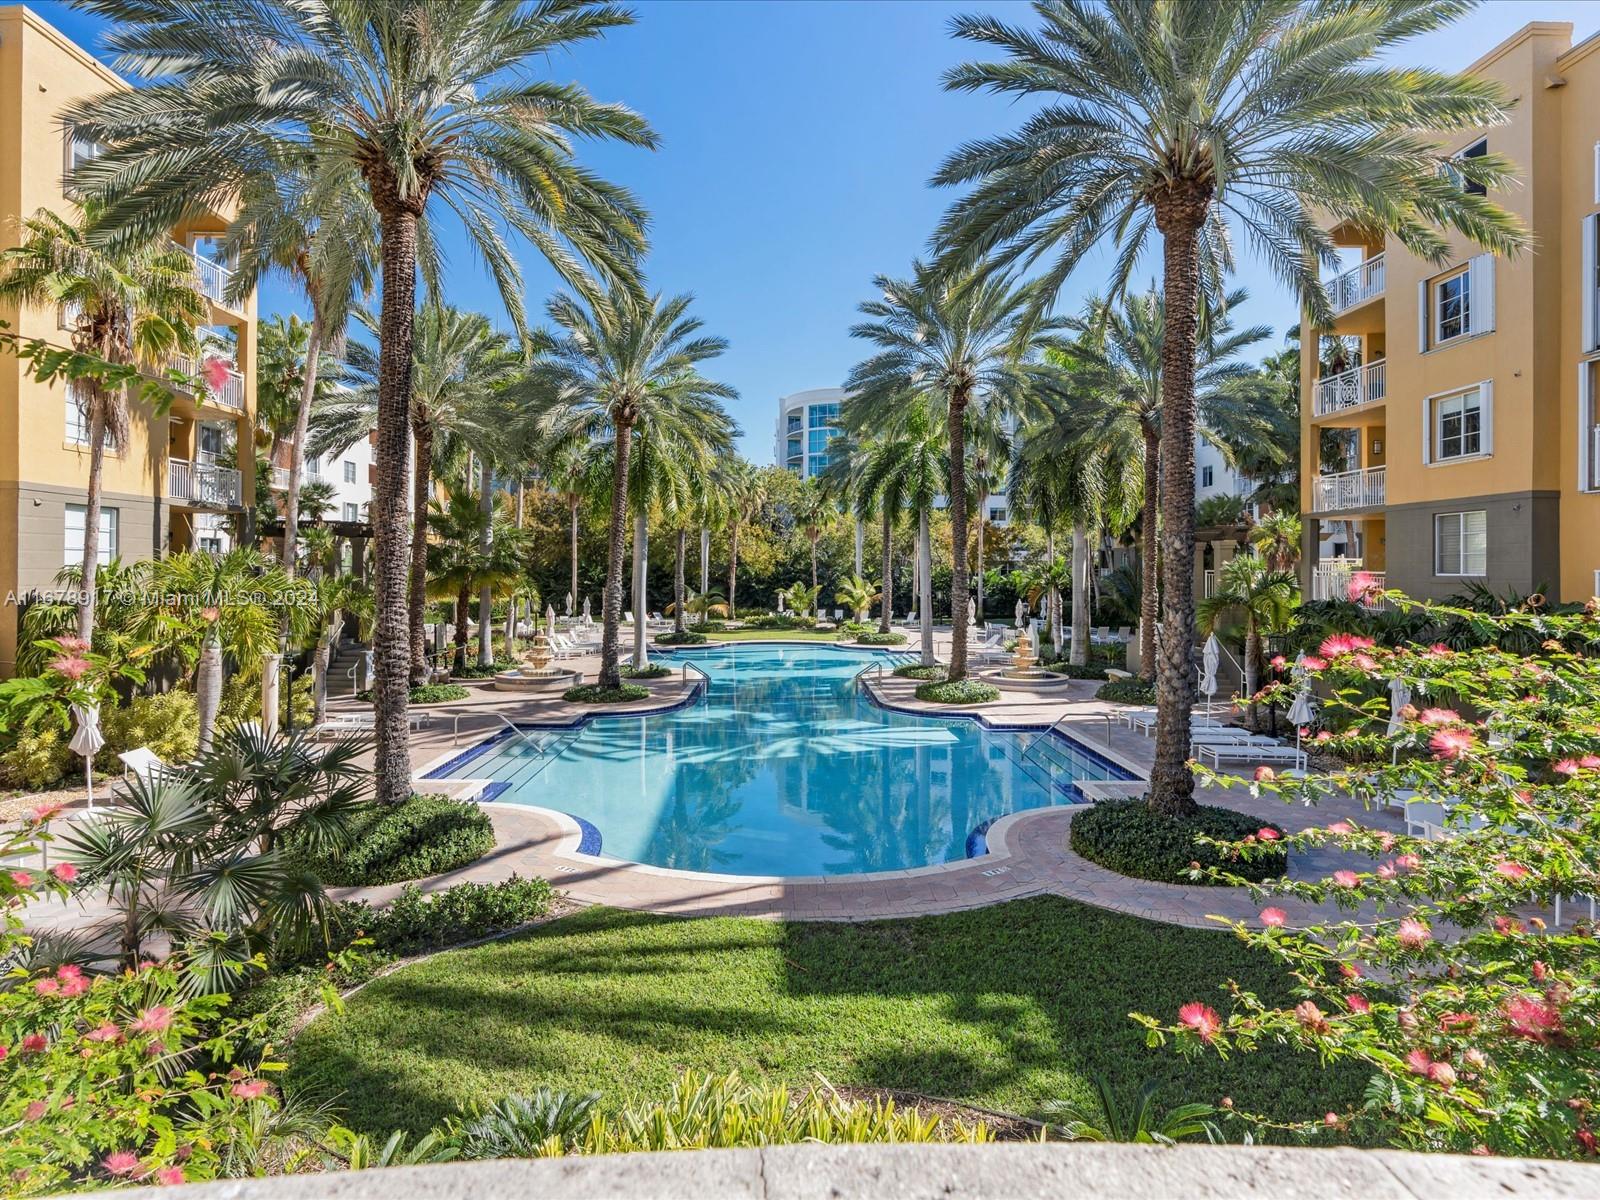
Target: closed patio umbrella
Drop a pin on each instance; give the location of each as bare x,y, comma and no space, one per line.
569,604
1399,697
1302,712
87,740
1210,658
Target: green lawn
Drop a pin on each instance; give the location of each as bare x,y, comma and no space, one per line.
1006,1007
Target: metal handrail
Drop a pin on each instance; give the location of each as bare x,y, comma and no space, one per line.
1050,732
855,680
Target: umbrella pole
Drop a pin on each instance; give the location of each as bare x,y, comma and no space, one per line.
88,780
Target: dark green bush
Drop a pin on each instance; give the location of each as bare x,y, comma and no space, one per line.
1131,838
689,637
881,639
593,693
1128,691
962,691
438,693
416,922
786,621
472,670
917,671
427,835
653,671
1075,671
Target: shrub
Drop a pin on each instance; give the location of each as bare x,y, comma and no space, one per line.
689,637
416,922
1128,691
881,639
783,621
37,759
593,693
427,835
917,671
438,693
653,671
168,723
1076,671
473,670
962,691
1131,838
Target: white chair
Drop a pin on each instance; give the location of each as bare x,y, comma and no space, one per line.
1249,752
143,763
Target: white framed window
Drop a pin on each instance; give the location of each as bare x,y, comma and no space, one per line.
77,429
1589,281
349,471
1457,305
212,447
351,512
78,151
1461,543
76,516
1589,425
1207,476
314,467
1452,307
1459,424
997,514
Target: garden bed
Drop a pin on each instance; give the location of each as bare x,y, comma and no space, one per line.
1131,838
593,693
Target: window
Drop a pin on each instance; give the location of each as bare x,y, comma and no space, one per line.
1589,425
1457,305
1460,543
1206,476
822,414
1589,283
1477,150
349,471
79,151
75,518
818,439
1460,424
1452,312
997,513
314,467
78,422
351,512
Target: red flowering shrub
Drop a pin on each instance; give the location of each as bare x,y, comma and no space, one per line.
1479,1018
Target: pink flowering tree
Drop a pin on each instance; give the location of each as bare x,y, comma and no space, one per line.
1445,971
125,1078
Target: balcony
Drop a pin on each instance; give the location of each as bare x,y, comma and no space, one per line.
280,479
203,484
1357,285
1352,388
213,277
1349,490
1331,578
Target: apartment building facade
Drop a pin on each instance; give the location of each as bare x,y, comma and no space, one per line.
1461,398
183,479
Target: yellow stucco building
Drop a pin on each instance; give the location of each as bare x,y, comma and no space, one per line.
1451,436
183,480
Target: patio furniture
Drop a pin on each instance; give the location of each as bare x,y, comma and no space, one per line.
143,763
1124,633
1218,753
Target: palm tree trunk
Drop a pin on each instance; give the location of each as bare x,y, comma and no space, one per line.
861,547
1252,664
417,603
678,582
208,689
319,677
814,558
463,607
297,451
733,569
888,570
1150,556
611,602
391,634
705,559
925,587
977,568
1080,595
485,594
1171,784
573,535
91,513
641,602
960,584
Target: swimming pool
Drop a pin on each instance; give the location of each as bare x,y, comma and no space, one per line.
781,766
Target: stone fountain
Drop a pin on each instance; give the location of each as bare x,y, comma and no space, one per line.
1025,674
536,674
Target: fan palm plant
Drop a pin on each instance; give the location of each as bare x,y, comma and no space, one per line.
436,108
1175,118
951,344
1251,590
137,302
619,364
1277,537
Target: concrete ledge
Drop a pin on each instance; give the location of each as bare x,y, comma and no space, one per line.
818,1172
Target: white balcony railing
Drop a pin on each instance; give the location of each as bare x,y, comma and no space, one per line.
203,484
1331,579
214,278
1348,490
231,393
280,479
1208,585
1349,389
1359,284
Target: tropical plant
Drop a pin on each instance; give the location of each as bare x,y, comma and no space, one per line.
1277,536
459,563
744,498
133,304
856,594
1251,590
811,509
800,599
1175,118
947,343
1219,511
229,93
624,363
1107,1119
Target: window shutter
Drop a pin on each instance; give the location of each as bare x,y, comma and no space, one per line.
1481,283
1585,425
1486,420
1427,431
1447,547
1423,317
1589,284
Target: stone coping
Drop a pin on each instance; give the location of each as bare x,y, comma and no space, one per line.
1093,1171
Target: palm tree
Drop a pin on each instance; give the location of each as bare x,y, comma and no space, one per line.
951,343
1043,490
811,509
462,561
1249,588
856,594
1108,395
989,446
136,302
1277,537
435,108
907,469
1177,117
745,495
569,472
620,363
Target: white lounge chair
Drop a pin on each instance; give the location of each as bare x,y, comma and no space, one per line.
1218,753
143,763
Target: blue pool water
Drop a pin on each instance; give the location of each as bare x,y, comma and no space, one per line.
782,767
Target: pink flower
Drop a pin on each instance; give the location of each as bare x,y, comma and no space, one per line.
1337,644
210,614
1439,716
1364,587
1201,1018
1265,773
1511,870
34,1043
1442,1073
1566,766
1532,1017
1387,871
43,813
73,666
22,879
1268,834
153,1020
1273,918
1407,862
104,1033
1438,650
169,1176
65,872
46,987
1358,1003
1312,1017
1341,827
249,1089
1419,1062
1312,663
1589,761
1364,661
1507,925
1412,933
121,1162
35,1110
1450,743
1345,879
1325,735
72,645
1278,662
1330,1119
215,372
1540,971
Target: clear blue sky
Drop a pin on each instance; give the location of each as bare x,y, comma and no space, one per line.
798,138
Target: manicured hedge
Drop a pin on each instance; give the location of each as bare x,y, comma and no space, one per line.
438,693
593,693
1128,691
962,691
918,671
688,637
1075,671
427,835
653,671
1131,838
881,639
